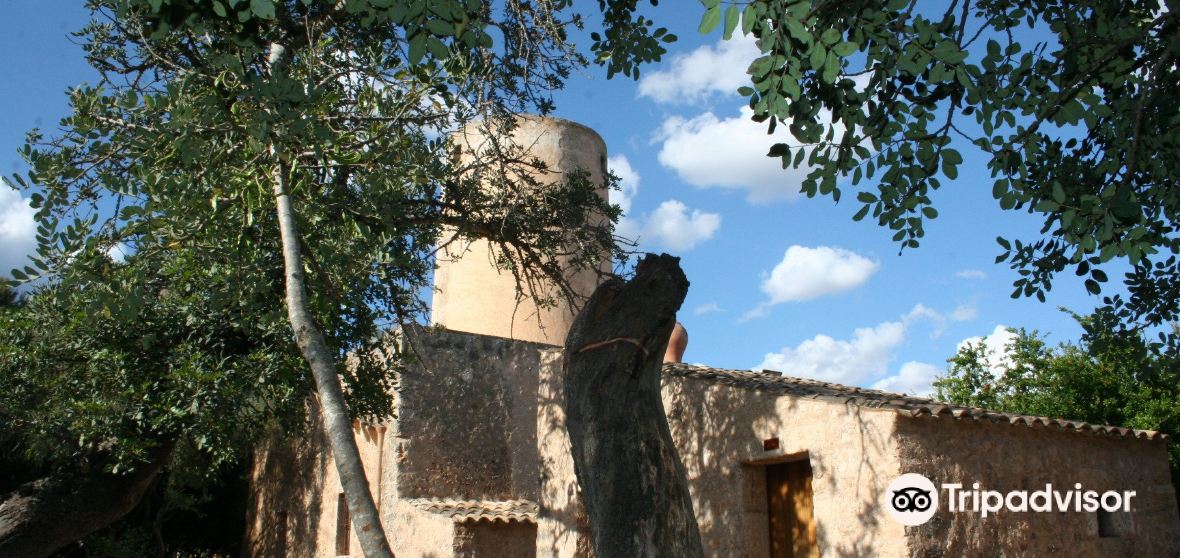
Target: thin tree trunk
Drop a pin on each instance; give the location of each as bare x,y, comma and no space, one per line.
633,483
43,516
337,424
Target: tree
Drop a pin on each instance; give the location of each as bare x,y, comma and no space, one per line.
1110,376
1079,127
632,479
102,400
301,146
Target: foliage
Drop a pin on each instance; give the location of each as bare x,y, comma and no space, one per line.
1071,103
1111,376
80,383
171,157
175,147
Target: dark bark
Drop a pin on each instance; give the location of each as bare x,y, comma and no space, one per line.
43,516
633,483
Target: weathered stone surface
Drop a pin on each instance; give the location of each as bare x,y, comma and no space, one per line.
467,417
472,295
1006,457
479,418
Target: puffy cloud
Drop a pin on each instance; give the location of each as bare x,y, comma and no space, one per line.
806,273
996,345
862,358
707,151
971,274
17,230
914,378
844,361
672,226
708,70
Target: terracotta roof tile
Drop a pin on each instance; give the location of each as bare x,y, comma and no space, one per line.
774,382
476,510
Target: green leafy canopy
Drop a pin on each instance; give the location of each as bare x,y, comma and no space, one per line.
1078,123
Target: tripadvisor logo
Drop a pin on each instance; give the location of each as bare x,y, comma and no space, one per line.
912,499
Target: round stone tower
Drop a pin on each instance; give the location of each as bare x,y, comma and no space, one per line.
470,293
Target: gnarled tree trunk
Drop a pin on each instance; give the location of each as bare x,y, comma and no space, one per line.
633,482
43,516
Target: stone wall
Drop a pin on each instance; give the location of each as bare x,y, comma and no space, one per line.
467,418
1007,457
720,431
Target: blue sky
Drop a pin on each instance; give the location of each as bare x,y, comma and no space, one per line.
778,280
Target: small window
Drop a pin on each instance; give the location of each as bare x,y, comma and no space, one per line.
342,526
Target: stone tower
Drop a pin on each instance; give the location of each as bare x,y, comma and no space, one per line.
470,293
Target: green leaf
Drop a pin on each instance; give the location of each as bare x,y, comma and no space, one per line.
710,20
417,48
219,9
1002,242
817,56
749,18
844,49
440,27
731,20
1093,287
798,31
830,36
929,212
264,9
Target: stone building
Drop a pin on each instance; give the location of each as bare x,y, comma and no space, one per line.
477,461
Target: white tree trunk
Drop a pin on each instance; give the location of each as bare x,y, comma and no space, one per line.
366,522
365,519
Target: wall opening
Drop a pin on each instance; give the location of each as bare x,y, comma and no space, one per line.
343,526
496,539
790,511
1114,524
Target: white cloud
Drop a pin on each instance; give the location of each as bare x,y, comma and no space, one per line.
672,226
964,313
844,361
938,320
857,361
996,345
707,308
971,274
17,230
707,151
628,182
708,70
914,378
806,273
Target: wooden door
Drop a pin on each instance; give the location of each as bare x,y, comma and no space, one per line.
789,506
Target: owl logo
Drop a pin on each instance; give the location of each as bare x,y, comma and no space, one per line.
911,499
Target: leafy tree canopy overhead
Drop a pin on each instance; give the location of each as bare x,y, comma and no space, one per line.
1078,123
175,146
247,151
